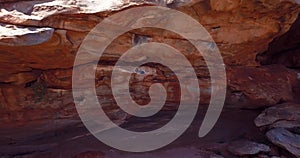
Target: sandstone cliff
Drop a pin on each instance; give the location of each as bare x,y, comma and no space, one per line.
258,40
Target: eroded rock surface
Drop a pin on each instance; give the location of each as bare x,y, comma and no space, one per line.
282,122
261,86
281,115
44,37
39,41
284,49
24,36
246,147
285,139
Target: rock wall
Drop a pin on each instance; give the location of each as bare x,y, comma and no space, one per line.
258,40
39,41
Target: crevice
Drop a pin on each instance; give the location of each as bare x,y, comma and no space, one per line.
284,50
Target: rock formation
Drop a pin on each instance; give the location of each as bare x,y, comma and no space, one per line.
258,40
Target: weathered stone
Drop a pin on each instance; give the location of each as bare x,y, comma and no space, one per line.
12,35
58,78
236,41
21,78
283,120
246,147
245,84
285,49
252,87
40,40
282,115
225,5
285,139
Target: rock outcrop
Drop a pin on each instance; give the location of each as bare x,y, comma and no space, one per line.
246,147
282,123
285,139
258,40
285,49
40,39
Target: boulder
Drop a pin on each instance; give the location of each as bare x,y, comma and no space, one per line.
246,147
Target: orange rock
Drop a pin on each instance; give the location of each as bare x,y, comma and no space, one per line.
225,5
40,40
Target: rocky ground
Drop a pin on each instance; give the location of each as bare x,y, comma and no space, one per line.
259,41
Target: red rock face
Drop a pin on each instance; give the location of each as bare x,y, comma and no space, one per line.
261,86
39,41
285,49
46,52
